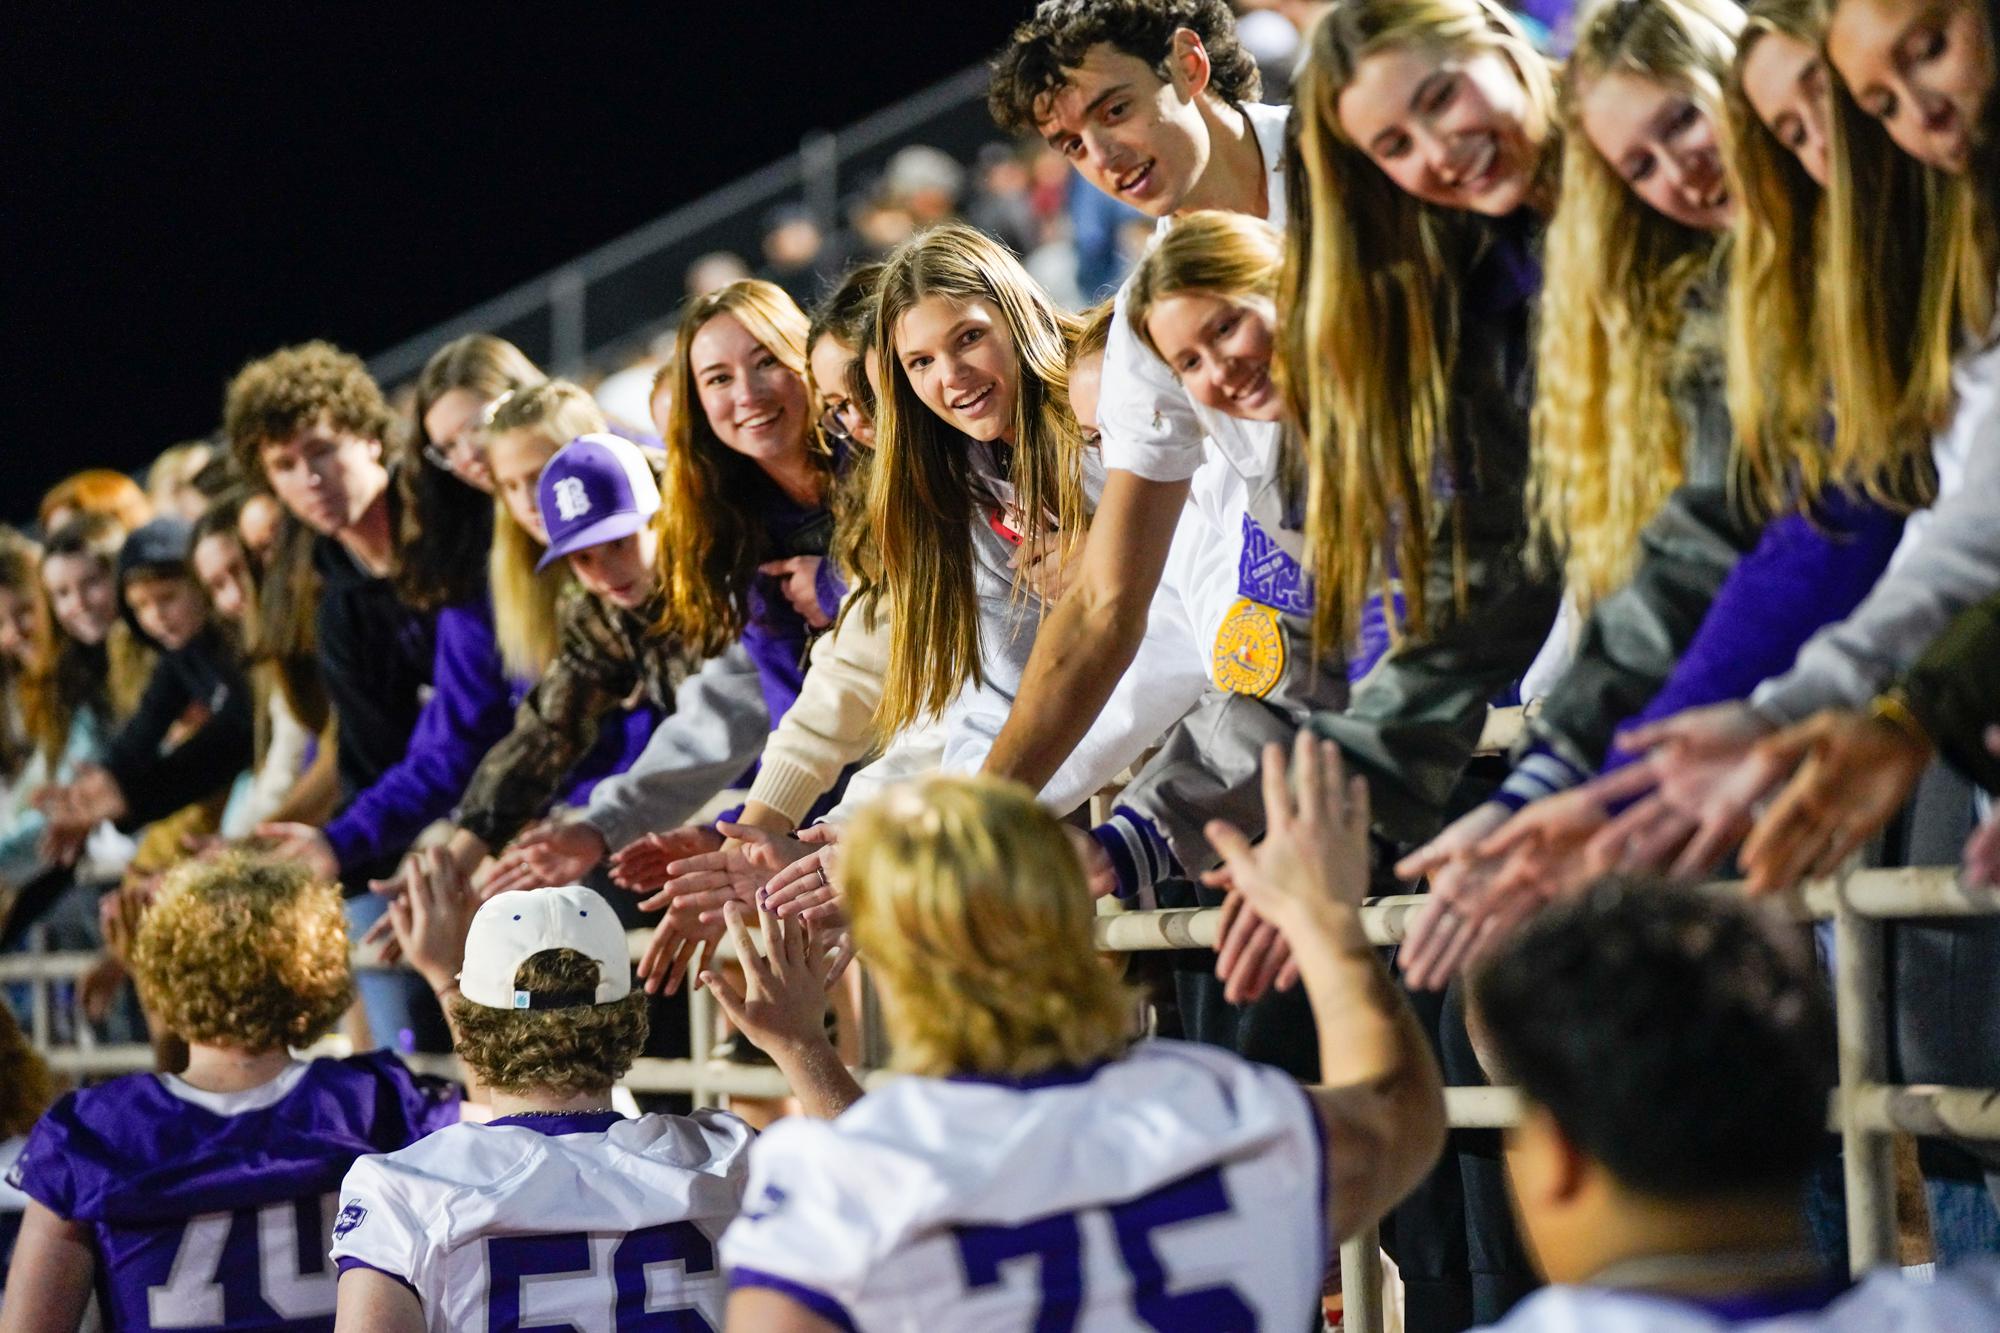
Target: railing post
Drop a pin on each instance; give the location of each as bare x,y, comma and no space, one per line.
819,171
701,1041
1361,1283
874,1033
566,332
1860,986
38,992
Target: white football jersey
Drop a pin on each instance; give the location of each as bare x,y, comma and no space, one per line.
1959,1300
1178,1188
587,1221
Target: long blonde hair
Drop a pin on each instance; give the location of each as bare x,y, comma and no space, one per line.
1607,437
711,535
921,494
1910,264
1369,324
970,909
1773,339
524,600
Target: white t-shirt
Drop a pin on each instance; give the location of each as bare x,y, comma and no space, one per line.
1149,425
1180,1187
587,1221
1960,1300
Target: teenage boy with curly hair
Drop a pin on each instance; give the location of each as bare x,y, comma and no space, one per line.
206,1198
309,422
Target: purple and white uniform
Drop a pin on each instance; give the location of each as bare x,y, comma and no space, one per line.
1180,1188
213,1211
587,1222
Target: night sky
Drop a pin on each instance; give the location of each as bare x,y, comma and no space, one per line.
189,186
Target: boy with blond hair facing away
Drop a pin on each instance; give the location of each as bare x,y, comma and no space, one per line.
1041,1168
561,1213
205,1200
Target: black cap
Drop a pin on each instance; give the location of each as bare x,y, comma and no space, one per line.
163,542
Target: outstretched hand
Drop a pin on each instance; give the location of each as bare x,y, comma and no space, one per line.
1315,849
1857,771
806,887
735,870
300,842
548,853
782,1004
431,917
642,865
1437,938
1709,772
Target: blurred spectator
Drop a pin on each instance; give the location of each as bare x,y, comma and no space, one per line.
1096,220
1273,34
625,396
880,224
170,480
1000,200
796,254
1053,264
258,524
96,490
716,269
925,182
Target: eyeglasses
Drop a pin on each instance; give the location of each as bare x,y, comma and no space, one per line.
468,441
833,421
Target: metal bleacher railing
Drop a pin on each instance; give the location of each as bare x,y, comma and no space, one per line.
587,311
1864,1109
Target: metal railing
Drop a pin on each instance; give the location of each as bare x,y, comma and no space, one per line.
622,292
1864,1109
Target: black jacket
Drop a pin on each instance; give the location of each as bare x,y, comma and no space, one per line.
206,671
375,656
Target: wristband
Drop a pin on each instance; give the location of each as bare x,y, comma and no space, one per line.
1893,710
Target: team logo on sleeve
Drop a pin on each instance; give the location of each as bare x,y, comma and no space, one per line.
350,1217
572,501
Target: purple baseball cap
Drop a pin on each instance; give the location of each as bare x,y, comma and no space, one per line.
597,489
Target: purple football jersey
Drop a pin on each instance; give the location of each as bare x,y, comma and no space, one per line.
214,1212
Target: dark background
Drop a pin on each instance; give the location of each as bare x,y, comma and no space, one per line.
186,187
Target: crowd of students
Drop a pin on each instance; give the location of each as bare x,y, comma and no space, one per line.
1656,386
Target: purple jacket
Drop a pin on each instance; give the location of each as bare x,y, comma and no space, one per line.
1803,574
471,708
775,635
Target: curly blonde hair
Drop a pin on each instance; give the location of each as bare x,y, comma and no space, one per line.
566,1052
970,907
244,951
277,396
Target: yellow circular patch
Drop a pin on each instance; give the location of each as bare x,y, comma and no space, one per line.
1249,650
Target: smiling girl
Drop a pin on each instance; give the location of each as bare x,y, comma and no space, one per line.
982,477
1406,305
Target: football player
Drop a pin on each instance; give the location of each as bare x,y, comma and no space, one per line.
560,1212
